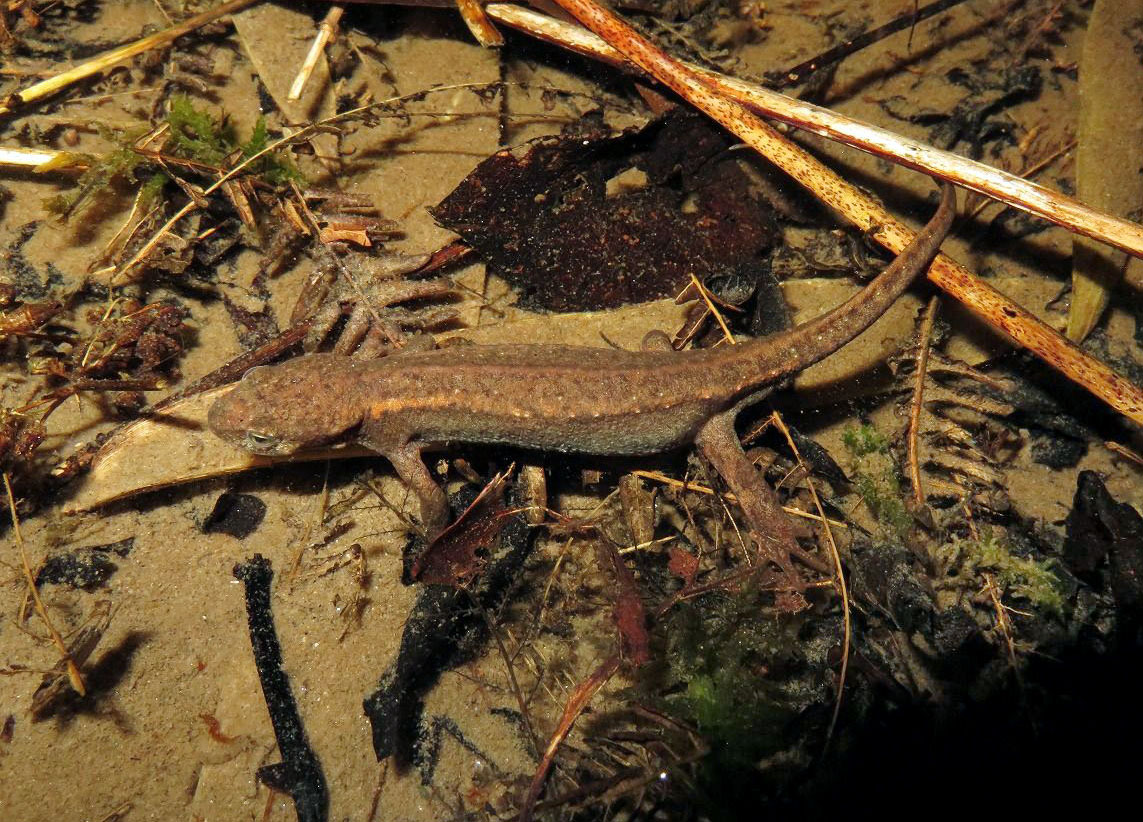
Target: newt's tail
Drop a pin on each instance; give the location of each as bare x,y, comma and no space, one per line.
788,352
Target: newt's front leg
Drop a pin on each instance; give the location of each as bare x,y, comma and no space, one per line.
415,474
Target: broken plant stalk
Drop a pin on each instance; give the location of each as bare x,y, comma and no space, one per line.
326,31
73,674
44,88
976,176
917,403
982,299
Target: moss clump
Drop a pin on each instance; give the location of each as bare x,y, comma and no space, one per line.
865,440
193,135
123,164
876,482
196,135
966,560
731,672
744,680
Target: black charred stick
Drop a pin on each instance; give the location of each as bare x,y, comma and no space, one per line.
299,774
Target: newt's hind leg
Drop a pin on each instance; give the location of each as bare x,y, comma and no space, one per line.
769,525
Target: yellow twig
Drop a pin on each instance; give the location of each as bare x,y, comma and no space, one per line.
656,476
50,86
710,306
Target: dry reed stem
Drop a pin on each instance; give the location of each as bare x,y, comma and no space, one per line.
50,86
326,31
979,177
979,297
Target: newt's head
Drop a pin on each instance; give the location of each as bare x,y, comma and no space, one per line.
279,409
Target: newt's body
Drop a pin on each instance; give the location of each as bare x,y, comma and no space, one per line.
563,398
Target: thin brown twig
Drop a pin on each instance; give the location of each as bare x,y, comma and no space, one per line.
907,20
73,673
1004,624
842,588
1124,451
521,701
916,405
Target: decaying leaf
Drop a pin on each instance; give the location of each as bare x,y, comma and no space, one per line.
581,222
458,555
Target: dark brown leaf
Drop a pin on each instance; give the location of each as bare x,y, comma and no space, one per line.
594,222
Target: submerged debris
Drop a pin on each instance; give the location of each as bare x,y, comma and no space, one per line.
1104,546
238,515
446,626
58,686
299,774
595,221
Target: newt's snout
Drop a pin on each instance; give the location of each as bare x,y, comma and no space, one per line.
275,410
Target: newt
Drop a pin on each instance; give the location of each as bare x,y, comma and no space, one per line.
548,397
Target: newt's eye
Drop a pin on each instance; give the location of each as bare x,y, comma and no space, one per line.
261,442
